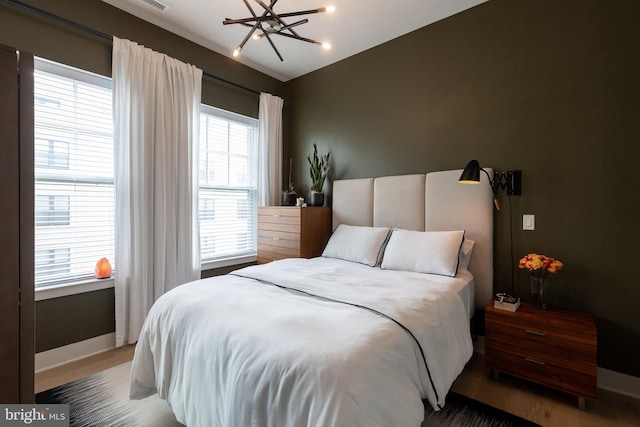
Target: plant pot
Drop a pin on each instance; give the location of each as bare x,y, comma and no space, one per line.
316,199
289,199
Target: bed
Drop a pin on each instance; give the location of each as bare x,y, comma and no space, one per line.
357,337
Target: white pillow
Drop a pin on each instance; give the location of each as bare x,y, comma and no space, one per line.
434,252
358,244
465,253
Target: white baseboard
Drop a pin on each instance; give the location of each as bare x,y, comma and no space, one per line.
613,381
72,352
619,383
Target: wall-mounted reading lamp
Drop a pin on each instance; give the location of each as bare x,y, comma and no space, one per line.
509,181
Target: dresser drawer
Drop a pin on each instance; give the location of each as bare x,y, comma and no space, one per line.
279,238
280,245
277,252
279,215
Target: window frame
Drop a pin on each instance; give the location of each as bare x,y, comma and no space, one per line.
85,283
252,255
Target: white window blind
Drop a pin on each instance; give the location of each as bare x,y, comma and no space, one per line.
74,196
228,183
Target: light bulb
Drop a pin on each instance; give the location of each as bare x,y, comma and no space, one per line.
255,36
237,52
330,8
326,45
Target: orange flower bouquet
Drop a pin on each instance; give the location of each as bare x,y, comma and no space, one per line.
540,265
541,268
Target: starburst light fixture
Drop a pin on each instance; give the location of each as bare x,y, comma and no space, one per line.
271,23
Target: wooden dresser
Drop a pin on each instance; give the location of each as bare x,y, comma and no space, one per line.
292,232
555,348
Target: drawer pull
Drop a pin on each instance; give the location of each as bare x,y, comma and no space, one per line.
276,216
542,334
537,362
276,238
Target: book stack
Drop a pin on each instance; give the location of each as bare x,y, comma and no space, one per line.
506,302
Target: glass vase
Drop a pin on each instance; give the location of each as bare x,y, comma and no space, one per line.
539,292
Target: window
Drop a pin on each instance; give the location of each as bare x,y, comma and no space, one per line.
228,184
52,261
74,196
52,210
51,154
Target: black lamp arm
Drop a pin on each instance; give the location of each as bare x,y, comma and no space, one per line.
492,183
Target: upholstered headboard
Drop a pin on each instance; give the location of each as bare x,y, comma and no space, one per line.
431,202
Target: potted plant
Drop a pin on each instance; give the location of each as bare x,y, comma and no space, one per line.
318,169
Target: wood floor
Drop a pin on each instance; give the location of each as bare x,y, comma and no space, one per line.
539,404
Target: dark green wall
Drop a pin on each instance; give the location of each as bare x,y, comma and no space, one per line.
548,87
64,320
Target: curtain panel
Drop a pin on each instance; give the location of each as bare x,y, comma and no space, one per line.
270,150
156,119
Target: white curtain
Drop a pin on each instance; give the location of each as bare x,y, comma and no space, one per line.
156,119
270,150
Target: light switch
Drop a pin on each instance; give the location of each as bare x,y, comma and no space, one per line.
528,222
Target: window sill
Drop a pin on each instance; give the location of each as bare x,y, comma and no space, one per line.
227,262
67,289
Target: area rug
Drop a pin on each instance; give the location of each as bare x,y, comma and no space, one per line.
101,400
462,411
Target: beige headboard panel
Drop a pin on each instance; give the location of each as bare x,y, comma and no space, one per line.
454,206
432,202
353,202
399,202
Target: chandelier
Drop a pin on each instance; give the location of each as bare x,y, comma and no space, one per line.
270,23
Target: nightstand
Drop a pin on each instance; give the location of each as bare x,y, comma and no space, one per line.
292,232
555,348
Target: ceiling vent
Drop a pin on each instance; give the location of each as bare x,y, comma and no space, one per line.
155,4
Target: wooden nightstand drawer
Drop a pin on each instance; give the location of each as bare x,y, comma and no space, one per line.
545,373
560,325
533,339
556,348
581,363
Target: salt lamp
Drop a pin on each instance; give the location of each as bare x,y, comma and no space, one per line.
103,269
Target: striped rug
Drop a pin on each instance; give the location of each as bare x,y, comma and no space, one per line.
101,400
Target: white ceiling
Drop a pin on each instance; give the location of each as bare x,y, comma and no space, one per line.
354,27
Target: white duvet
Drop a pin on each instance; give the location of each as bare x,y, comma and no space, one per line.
246,351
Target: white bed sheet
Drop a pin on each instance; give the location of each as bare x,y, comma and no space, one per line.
466,289
232,351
